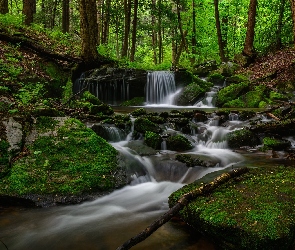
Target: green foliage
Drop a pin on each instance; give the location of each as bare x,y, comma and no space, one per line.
9,20
142,125
30,93
88,97
153,140
4,158
138,112
75,161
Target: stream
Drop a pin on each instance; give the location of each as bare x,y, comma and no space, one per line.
109,221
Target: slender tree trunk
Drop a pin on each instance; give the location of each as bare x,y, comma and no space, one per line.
249,41
88,26
4,6
106,22
65,16
154,35
53,15
280,25
134,30
99,13
293,17
160,41
29,9
180,49
180,27
174,50
219,34
194,40
127,10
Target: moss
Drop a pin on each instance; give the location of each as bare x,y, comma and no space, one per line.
255,211
231,92
178,143
101,109
236,103
242,137
275,144
189,161
142,125
216,78
45,123
153,140
138,112
74,162
88,97
273,95
4,158
136,101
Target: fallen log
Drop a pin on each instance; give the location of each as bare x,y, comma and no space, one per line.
181,203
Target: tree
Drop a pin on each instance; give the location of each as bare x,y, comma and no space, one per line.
280,25
65,16
89,30
194,32
219,34
3,6
127,10
29,9
134,30
249,40
293,17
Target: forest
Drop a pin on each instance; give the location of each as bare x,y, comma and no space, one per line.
162,33
86,120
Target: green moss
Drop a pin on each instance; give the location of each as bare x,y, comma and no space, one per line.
236,103
45,123
74,162
216,78
231,92
255,211
4,158
189,161
142,125
275,144
273,95
138,112
178,143
242,137
88,97
136,101
153,140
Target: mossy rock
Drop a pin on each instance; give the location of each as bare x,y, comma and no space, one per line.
227,69
153,140
47,111
190,160
242,137
142,125
88,97
138,112
73,162
4,158
236,79
102,108
254,211
136,101
178,143
275,144
231,92
216,79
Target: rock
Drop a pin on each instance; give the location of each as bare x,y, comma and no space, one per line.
14,133
178,143
242,137
141,148
205,68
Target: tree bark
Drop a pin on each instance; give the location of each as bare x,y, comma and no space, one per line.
181,203
106,22
160,41
154,34
293,18
127,10
134,30
99,21
65,16
280,25
89,30
249,40
3,6
219,34
29,9
194,32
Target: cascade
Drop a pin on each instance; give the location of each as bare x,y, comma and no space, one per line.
160,87
210,98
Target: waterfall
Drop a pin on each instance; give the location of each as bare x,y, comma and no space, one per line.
160,87
110,91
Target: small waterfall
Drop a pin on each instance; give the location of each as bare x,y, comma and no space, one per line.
109,133
210,98
110,91
233,117
160,87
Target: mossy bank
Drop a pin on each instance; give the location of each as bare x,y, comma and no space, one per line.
254,211
63,162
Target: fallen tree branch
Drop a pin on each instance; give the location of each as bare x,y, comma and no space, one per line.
181,203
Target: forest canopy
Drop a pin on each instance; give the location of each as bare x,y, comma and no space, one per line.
162,33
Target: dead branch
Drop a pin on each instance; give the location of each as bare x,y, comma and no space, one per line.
181,203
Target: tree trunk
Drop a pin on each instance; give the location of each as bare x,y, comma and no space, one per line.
194,41
154,34
174,49
88,26
160,41
180,27
99,20
106,22
293,17
53,14
65,16
181,203
3,6
127,10
180,49
280,25
134,29
219,34
29,9
249,40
